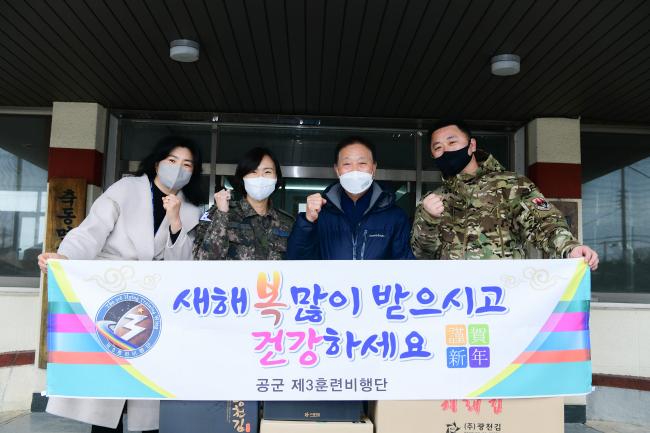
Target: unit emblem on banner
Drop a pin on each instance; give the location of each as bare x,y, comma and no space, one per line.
128,325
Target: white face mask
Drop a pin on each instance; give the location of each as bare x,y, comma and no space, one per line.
259,188
173,176
356,182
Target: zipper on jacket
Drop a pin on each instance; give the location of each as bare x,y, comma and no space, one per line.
468,202
355,238
363,245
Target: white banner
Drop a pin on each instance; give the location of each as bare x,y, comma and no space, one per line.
318,330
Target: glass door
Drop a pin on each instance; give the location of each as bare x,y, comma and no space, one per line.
305,152
307,156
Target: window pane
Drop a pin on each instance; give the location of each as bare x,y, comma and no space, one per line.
24,143
314,147
616,205
138,139
430,187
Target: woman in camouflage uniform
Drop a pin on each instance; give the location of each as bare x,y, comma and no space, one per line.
250,228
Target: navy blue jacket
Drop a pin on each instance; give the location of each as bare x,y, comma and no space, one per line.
382,233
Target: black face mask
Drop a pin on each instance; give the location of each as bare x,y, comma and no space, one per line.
453,162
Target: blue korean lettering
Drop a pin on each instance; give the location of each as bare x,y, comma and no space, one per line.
350,344
181,301
415,347
219,298
239,300
339,301
384,295
332,337
381,294
356,301
301,296
387,343
488,307
215,302
201,301
313,314
451,300
425,296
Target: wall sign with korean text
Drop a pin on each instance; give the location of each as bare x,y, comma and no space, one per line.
319,330
66,209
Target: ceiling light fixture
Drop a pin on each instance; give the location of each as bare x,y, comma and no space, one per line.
184,50
504,65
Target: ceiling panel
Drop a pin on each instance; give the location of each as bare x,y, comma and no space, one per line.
415,59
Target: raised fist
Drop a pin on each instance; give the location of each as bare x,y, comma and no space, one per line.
222,200
433,205
315,203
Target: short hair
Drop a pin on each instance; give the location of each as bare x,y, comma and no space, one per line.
354,139
249,163
460,124
193,191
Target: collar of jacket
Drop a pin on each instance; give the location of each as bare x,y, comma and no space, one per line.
380,199
486,164
142,235
248,211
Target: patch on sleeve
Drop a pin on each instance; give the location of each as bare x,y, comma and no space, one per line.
541,204
205,217
281,233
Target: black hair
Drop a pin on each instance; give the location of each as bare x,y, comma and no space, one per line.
193,191
249,163
460,124
354,139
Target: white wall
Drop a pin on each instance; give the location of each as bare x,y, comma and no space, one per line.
19,325
620,344
554,140
19,318
78,125
620,339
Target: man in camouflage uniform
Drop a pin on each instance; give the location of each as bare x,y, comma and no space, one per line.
241,233
484,212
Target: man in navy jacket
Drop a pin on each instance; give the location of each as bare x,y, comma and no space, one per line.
355,219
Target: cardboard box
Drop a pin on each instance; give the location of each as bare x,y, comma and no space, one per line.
209,416
531,415
271,426
313,410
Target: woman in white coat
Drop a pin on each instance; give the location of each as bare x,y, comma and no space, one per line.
146,217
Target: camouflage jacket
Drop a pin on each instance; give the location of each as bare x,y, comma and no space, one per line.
242,234
492,214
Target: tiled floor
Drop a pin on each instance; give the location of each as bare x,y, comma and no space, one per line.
41,422
25,422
